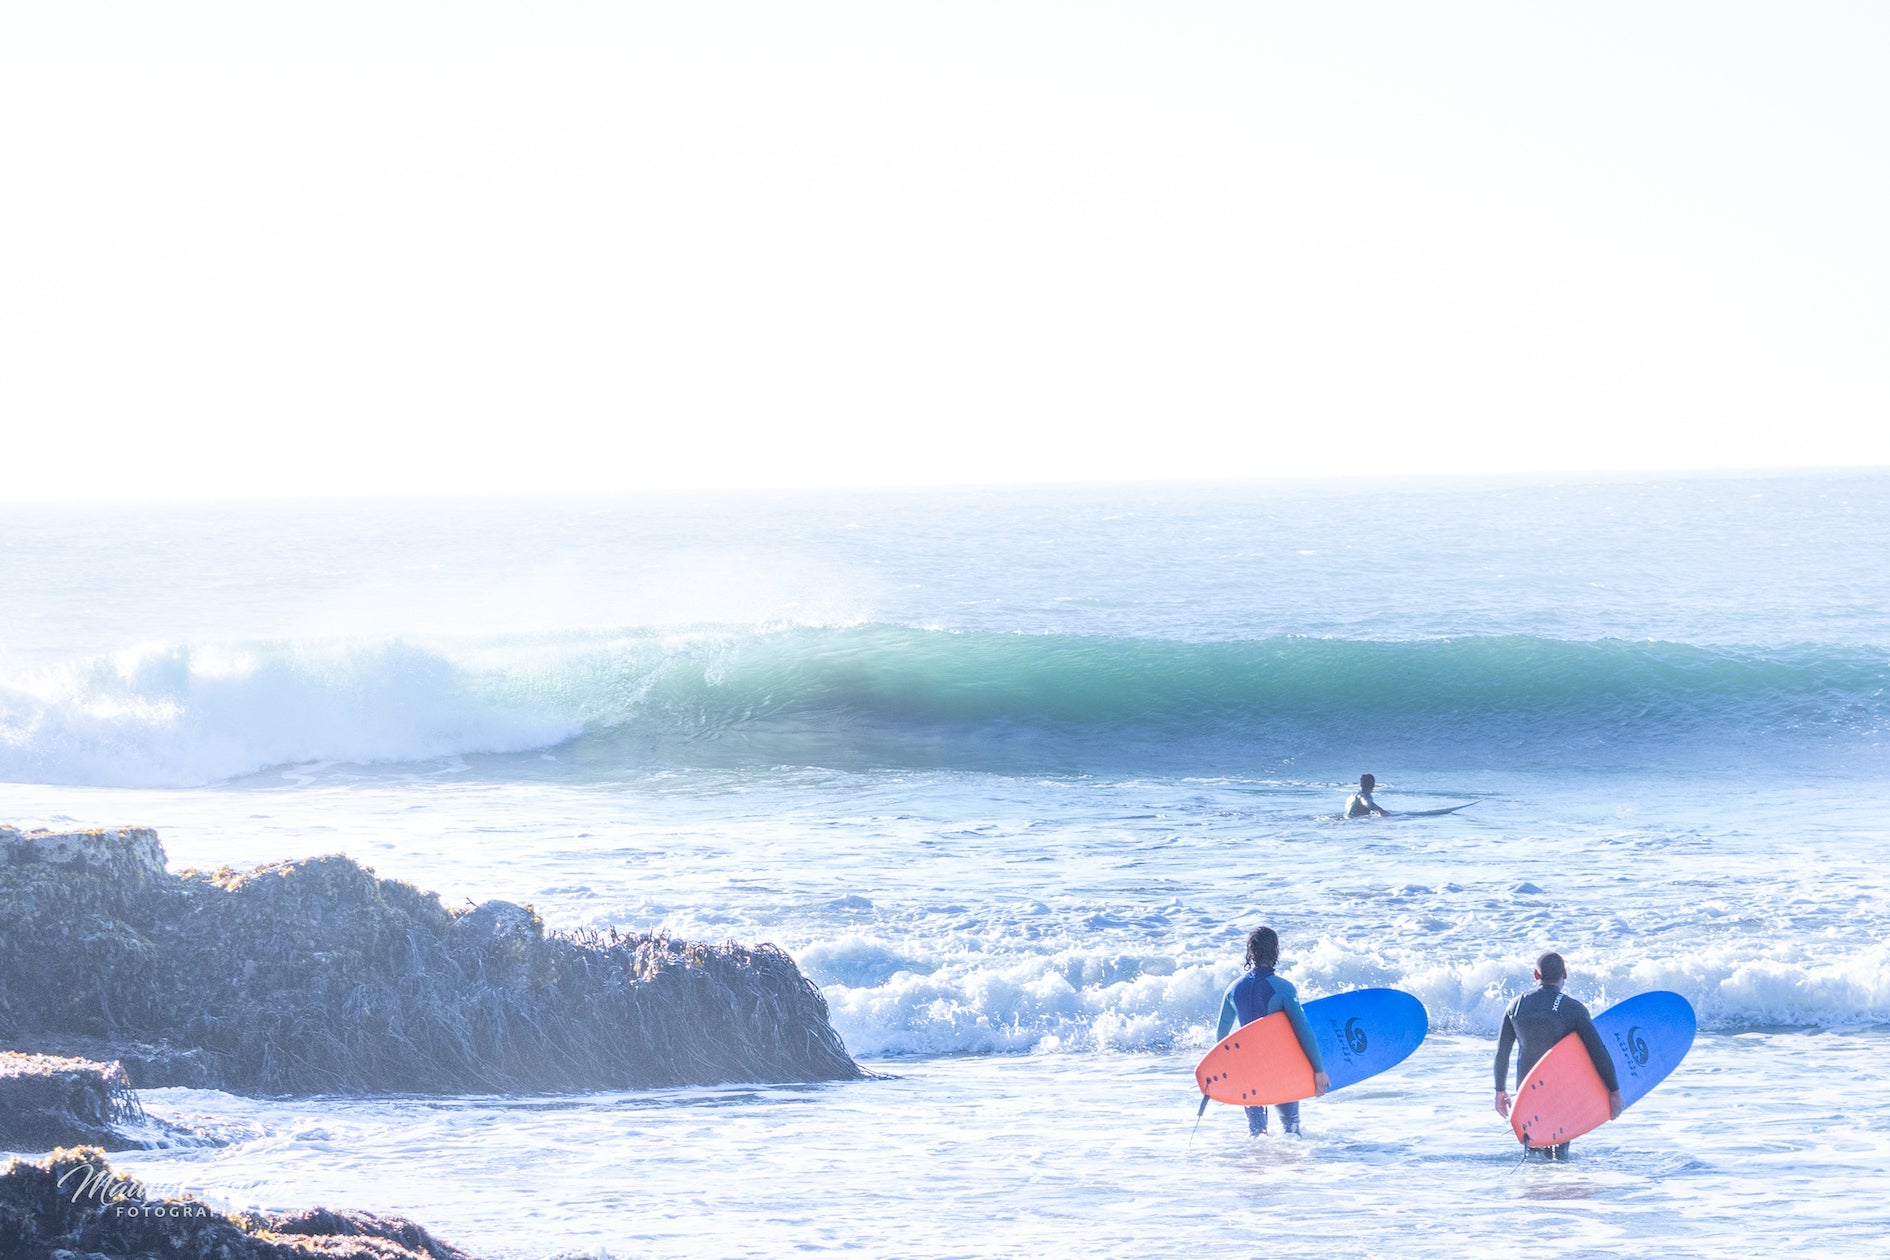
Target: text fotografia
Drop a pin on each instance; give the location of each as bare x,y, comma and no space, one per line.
167,1211
125,1197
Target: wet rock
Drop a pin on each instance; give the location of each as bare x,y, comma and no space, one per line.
48,1101
73,1204
146,1065
317,976
495,923
130,855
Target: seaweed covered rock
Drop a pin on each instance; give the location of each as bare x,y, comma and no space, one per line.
147,1065
47,1102
73,1202
317,976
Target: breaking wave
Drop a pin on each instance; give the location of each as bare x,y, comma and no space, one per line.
879,695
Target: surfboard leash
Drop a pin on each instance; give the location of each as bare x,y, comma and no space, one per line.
1523,1137
1199,1112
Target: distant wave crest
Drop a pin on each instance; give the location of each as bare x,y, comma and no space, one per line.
876,695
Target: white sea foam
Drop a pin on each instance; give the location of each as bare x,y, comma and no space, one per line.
1072,1003
186,716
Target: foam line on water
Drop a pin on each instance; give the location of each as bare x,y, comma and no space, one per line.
886,1002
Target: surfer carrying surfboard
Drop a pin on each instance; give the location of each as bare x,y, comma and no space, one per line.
1360,803
1258,994
1533,1024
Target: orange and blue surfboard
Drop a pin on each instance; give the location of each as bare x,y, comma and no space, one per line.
1562,1096
1359,1034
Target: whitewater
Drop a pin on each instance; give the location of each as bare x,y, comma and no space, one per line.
1011,774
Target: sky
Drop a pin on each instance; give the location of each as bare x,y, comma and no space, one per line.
268,250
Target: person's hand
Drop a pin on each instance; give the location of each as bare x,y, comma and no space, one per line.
1502,1103
1320,1084
1615,1105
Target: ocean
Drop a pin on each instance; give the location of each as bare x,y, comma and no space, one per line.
1011,773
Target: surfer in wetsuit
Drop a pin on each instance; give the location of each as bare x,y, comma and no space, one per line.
1360,804
1534,1023
1260,993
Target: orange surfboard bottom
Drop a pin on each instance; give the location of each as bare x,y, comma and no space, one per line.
1257,1064
1561,1098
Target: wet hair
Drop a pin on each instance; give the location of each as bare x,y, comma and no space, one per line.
1366,782
1263,947
1551,968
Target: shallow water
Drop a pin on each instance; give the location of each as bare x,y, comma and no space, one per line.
1061,1154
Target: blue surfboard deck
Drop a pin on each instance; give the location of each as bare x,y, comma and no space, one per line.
1366,1031
1647,1035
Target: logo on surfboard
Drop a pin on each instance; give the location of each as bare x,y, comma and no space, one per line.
1355,1036
1637,1044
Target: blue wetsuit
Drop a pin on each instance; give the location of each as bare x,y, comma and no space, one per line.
1255,995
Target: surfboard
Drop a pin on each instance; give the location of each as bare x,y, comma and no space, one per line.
1359,1034
1414,813
1562,1097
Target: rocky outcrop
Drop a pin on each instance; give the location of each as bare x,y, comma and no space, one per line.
47,1101
316,976
72,1203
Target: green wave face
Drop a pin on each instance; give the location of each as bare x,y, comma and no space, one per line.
875,696
897,696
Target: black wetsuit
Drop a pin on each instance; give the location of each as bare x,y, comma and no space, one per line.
1534,1023
1360,804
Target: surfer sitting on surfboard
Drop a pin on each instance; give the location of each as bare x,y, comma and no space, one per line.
1360,803
1533,1024
1258,994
